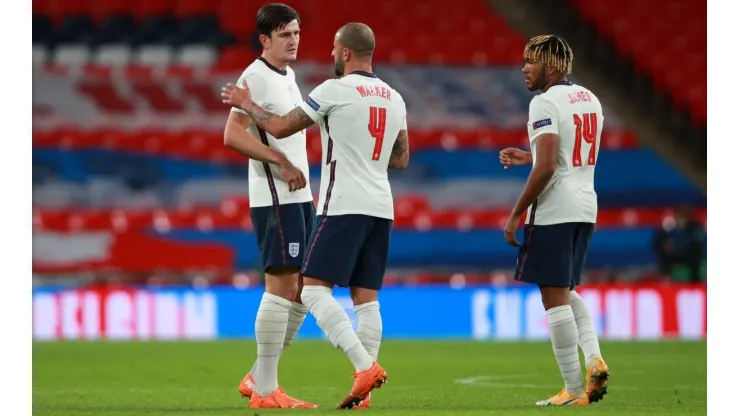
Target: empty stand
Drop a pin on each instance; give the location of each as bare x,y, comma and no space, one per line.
128,126
665,38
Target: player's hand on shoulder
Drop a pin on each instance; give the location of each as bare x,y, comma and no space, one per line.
291,175
236,96
512,156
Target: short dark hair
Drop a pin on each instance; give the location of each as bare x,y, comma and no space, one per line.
274,16
357,37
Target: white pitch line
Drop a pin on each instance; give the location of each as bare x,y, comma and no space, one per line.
498,381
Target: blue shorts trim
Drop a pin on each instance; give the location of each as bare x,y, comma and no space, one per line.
282,233
349,250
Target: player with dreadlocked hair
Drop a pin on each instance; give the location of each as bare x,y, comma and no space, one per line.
565,124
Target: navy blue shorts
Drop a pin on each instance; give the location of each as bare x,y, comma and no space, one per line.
282,233
554,255
349,250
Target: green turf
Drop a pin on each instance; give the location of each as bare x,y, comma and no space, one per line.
438,378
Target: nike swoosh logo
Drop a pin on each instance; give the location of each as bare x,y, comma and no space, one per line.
571,401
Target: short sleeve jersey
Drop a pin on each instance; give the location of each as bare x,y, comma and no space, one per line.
575,115
277,92
360,117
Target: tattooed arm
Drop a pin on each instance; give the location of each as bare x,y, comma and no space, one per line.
279,127
400,153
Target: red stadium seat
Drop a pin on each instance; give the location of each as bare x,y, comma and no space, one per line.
102,9
653,42
235,58
105,95
62,9
43,6
208,99
147,8
188,8
233,213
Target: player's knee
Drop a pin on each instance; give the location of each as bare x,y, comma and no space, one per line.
361,295
311,293
552,297
283,282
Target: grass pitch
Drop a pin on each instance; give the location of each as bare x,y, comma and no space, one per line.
424,378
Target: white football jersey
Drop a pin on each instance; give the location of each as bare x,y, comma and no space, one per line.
360,117
277,92
575,115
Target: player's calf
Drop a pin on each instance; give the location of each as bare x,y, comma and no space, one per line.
369,321
563,335
587,339
334,321
597,370
369,326
278,320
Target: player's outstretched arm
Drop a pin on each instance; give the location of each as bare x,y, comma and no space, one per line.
278,126
400,153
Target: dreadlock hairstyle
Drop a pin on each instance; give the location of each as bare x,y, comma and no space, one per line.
550,50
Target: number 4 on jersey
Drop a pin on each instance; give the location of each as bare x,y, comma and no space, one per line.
585,131
376,127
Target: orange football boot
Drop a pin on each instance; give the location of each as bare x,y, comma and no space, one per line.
246,387
365,403
596,377
278,400
365,382
565,399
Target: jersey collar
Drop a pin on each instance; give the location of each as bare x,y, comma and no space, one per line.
566,82
364,74
269,65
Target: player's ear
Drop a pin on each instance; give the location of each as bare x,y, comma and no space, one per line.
265,41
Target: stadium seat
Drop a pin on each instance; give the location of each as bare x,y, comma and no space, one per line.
196,55
73,55
113,55
153,55
190,8
654,43
129,141
40,55
142,9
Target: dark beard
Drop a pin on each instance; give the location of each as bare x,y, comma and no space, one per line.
539,83
338,69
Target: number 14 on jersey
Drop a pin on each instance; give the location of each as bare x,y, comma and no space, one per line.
585,131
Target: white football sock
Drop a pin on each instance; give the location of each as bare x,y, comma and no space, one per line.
295,320
335,323
369,327
564,338
587,339
269,327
